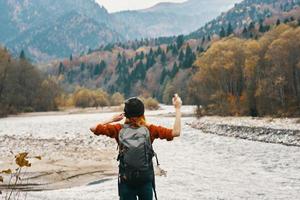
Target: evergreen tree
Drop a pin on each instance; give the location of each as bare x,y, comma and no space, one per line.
139,72
189,57
119,67
278,22
179,41
229,29
22,55
222,32
251,27
137,56
151,52
142,55
163,75
292,18
203,40
99,68
82,66
245,32
181,56
174,50
159,51
261,26
163,58
200,49
119,56
150,61
61,68
71,57
208,38
286,20
174,70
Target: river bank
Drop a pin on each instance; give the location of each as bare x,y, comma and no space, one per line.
284,131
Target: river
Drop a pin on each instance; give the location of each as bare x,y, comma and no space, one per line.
199,166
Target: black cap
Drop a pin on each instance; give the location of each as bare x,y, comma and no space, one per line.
134,107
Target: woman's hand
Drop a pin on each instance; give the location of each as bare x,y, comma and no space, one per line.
177,125
118,117
177,101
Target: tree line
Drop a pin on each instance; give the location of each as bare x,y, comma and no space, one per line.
23,88
250,77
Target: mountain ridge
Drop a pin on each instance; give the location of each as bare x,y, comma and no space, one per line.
26,22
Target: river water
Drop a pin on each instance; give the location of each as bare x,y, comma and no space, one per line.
198,165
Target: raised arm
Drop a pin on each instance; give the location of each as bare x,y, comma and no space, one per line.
115,118
177,124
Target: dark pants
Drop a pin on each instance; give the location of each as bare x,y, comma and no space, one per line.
143,192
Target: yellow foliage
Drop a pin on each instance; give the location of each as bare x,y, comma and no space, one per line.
21,160
237,76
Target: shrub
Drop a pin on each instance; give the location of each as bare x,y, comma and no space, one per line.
90,98
150,103
116,99
100,98
82,98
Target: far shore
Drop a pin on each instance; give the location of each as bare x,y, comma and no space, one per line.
107,109
70,110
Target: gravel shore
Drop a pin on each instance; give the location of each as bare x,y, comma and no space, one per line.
280,131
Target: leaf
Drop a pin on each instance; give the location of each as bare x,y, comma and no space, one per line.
1,179
21,160
8,171
38,157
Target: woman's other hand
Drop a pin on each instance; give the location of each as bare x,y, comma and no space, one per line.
115,118
177,101
118,117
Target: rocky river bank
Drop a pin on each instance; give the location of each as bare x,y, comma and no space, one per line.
269,130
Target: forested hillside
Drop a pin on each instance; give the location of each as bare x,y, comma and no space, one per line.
153,70
248,16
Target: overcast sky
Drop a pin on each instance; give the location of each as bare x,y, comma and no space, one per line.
117,5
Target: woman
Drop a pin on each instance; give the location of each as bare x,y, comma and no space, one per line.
136,125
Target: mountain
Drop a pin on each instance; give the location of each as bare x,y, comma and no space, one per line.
166,19
41,28
71,33
50,29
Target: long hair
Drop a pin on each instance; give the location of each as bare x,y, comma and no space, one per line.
136,121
